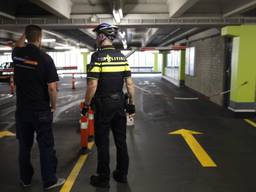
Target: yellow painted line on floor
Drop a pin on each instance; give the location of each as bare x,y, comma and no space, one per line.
6,134
196,148
250,122
75,171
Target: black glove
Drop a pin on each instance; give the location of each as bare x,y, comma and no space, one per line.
84,110
130,109
126,100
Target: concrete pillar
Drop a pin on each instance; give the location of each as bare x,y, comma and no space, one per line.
243,67
165,54
155,62
182,67
85,60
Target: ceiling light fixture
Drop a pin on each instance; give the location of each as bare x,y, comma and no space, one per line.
124,43
123,39
63,47
48,40
121,13
118,15
45,40
122,34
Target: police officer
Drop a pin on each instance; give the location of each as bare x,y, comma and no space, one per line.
106,74
35,77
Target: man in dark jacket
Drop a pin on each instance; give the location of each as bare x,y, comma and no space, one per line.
35,77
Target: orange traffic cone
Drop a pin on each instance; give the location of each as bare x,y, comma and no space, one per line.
84,134
81,105
11,85
73,81
91,122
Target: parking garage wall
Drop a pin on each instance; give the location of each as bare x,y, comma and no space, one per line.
5,58
141,61
209,67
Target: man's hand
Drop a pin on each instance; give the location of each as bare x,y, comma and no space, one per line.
130,107
21,41
53,95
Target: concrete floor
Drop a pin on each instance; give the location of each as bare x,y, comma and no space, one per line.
158,161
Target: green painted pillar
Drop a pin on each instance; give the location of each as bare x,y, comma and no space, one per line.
243,67
165,60
182,67
85,60
155,62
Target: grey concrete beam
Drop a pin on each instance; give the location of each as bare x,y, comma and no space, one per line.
241,9
205,34
126,17
178,37
145,8
201,35
60,8
64,38
177,8
7,15
83,8
87,32
74,23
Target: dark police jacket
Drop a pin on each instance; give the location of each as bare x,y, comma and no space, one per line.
110,67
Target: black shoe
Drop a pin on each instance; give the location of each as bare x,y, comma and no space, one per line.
100,181
119,177
24,184
58,183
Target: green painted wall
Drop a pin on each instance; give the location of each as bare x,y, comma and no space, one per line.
182,65
243,62
165,54
155,62
85,60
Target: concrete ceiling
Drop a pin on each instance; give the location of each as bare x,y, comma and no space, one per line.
145,22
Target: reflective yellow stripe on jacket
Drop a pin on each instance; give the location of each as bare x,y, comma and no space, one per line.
106,67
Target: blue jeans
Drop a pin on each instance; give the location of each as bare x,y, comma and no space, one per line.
28,122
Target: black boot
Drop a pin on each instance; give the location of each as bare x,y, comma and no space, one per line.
119,177
100,181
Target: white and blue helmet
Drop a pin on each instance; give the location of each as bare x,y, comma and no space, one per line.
109,30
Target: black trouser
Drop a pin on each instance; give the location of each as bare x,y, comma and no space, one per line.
110,114
28,122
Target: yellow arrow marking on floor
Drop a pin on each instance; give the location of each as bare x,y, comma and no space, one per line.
6,134
75,171
250,122
197,149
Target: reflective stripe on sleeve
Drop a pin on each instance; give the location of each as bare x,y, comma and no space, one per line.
127,68
95,69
